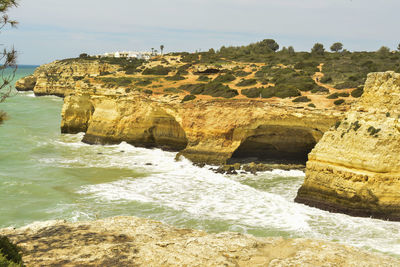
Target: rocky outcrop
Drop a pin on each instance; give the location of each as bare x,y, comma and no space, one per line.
206,131
355,168
59,77
26,84
130,241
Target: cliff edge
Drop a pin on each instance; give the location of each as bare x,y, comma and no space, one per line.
355,167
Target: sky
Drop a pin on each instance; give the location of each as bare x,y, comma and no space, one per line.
54,29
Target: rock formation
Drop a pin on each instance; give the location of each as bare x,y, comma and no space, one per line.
26,84
130,241
355,167
211,130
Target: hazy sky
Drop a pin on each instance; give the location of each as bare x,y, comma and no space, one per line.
54,29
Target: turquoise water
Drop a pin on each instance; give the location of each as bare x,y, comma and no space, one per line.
45,175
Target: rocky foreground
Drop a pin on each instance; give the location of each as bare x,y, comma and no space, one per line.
355,167
130,241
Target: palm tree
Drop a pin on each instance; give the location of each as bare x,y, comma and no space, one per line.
162,49
152,51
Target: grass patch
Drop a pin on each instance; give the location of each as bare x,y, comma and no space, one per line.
172,90
176,77
203,78
280,91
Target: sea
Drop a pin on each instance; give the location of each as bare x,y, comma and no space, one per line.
46,175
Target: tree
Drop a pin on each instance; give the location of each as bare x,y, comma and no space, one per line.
291,50
270,43
318,49
7,56
83,55
336,47
384,50
162,49
398,47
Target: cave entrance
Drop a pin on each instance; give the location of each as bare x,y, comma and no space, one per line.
277,144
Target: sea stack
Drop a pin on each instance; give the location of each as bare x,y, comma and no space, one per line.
355,168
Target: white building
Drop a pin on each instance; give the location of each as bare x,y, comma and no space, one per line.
127,55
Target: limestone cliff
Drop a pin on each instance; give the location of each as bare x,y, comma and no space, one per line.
59,77
355,167
130,241
206,130
209,131
26,84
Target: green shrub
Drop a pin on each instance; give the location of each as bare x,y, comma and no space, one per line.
337,95
280,91
338,102
9,253
347,84
176,77
172,90
225,78
326,79
158,70
357,92
242,73
252,92
148,91
320,89
301,99
214,89
143,82
372,130
188,98
203,78
311,105
247,82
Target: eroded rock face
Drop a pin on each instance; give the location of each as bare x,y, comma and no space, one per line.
130,241
355,167
59,77
205,131
26,84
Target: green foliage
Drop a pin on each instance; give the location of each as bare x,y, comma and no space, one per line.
319,89
252,92
326,79
280,91
225,78
338,102
158,70
188,98
337,95
203,78
357,92
213,88
336,47
9,253
242,73
176,77
143,82
172,90
311,105
301,99
373,131
190,58
247,82
337,124
148,91
356,125
83,55
318,49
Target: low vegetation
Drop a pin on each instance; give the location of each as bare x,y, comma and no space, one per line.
10,255
215,89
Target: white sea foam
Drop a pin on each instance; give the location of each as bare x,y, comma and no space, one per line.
202,194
